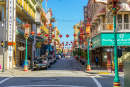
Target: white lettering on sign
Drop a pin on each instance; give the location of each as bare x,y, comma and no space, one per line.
10,22
101,1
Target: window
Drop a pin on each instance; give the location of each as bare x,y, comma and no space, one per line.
119,18
126,21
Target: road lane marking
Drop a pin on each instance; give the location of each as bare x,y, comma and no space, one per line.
6,79
46,86
96,81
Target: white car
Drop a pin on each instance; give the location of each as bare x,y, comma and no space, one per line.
67,56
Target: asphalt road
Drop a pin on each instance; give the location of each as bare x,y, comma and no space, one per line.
64,73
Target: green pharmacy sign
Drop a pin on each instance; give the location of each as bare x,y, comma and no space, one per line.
107,39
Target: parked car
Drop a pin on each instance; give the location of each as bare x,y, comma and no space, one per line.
41,62
51,59
58,56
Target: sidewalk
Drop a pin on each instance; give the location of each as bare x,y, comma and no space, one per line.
96,70
15,71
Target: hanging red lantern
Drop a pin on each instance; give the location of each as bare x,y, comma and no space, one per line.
69,44
60,36
39,34
75,41
45,40
46,35
50,42
54,42
81,34
32,32
66,42
53,36
67,35
74,35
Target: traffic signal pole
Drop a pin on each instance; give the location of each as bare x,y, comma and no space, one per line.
3,43
88,64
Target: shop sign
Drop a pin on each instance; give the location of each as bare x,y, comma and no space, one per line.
38,44
123,39
101,1
96,41
21,48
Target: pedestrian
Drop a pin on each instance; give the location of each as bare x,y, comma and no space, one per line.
97,60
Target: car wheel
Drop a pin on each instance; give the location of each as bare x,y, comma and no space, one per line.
34,69
46,68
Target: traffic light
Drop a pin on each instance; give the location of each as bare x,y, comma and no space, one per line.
1,43
91,44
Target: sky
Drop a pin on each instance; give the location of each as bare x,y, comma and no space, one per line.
67,13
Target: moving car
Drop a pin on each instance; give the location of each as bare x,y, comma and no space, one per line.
67,56
40,62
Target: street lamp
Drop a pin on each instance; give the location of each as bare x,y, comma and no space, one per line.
26,35
88,34
114,7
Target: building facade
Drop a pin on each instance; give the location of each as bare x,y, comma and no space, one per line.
16,14
102,34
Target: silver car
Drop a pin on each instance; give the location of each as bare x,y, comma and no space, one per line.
41,62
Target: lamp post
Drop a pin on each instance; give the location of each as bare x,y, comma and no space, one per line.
26,35
88,34
114,7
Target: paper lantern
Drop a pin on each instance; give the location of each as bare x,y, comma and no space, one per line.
39,34
32,32
67,35
60,36
74,35
46,35
53,36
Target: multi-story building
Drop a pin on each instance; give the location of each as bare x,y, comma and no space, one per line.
102,34
16,14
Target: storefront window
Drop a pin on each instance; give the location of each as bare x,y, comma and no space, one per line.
104,55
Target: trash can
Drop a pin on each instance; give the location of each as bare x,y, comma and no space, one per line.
24,64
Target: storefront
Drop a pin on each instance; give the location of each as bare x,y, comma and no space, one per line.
104,41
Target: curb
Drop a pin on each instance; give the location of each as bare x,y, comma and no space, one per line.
80,65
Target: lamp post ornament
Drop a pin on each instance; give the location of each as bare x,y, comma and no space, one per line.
114,7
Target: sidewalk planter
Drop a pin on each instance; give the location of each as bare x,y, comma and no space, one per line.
83,63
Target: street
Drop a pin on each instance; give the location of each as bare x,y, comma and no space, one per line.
64,73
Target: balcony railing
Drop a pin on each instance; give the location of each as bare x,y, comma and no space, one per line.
108,27
2,0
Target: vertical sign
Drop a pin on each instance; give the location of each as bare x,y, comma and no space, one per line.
14,20
10,20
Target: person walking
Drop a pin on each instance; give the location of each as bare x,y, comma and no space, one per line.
97,60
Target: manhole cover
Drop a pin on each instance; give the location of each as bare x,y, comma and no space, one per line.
44,80
51,79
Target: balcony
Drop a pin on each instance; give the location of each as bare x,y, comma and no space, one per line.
108,28
2,2
39,7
